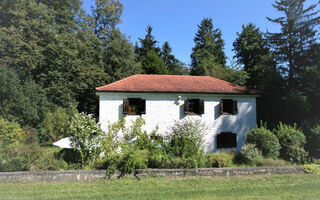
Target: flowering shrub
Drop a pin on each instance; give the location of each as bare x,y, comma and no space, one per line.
86,136
185,138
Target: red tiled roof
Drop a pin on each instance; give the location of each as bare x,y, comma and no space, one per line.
174,83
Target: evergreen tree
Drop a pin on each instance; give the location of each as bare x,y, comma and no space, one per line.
208,51
148,43
298,34
292,47
149,55
173,65
152,63
252,52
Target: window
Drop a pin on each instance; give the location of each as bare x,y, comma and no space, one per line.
228,106
194,106
226,140
134,106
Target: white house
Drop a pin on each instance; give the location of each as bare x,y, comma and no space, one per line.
228,110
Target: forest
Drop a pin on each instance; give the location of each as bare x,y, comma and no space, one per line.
53,54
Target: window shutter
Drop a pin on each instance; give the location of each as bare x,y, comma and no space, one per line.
142,106
221,106
186,106
125,108
201,107
235,107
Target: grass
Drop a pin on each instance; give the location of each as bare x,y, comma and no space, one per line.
256,187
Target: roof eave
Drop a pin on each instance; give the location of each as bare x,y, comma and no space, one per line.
222,93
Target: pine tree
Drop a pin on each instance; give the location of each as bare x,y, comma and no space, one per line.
298,34
149,55
173,65
208,51
148,43
252,53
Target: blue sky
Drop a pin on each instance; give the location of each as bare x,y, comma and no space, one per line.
176,21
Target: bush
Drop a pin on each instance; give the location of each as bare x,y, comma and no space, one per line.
271,162
56,124
132,159
248,154
296,154
313,141
220,159
10,133
14,164
110,163
292,141
86,136
312,133
71,156
158,159
185,138
48,160
312,169
184,163
265,141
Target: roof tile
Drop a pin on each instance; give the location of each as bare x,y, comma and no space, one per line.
174,83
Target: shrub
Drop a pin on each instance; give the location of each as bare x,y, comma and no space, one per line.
265,141
71,156
291,140
110,163
220,159
56,124
132,159
48,160
158,159
313,141
248,154
185,138
312,133
86,136
185,163
14,164
296,154
10,133
312,169
271,162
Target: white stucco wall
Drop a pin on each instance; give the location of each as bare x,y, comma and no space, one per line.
162,111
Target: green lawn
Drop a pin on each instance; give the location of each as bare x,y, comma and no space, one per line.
269,187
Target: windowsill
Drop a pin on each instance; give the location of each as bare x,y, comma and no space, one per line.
192,113
133,114
225,113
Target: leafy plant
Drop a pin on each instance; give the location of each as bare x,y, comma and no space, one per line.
265,141
85,136
56,124
222,159
249,154
185,138
292,141
311,169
